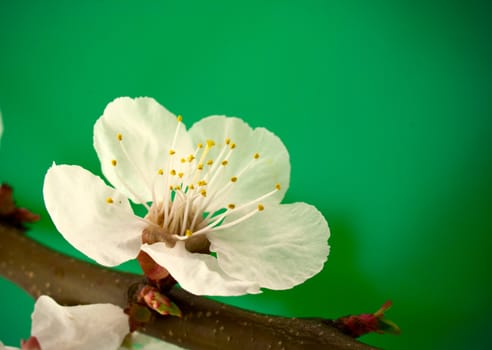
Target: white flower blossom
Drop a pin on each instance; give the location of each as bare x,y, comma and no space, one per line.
214,188
83,327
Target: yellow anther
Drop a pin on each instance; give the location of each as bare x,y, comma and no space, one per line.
233,145
119,137
256,156
228,141
114,162
188,233
200,166
171,188
202,183
233,179
191,157
191,187
160,172
171,152
183,160
172,172
179,118
200,145
203,193
180,175
277,186
260,207
177,188
231,206
210,143
109,200
210,162
224,162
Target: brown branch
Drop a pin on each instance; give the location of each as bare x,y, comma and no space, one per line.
205,324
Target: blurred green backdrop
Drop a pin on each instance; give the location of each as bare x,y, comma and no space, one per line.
384,106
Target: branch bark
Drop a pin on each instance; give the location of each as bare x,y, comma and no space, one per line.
205,324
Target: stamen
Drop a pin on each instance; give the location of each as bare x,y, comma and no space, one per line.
176,132
114,162
172,151
235,222
119,137
213,171
260,207
213,174
109,200
213,225
210,144
186,201
261,198
185,217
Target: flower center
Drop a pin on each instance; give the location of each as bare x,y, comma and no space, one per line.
186,190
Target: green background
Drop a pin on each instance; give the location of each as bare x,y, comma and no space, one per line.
385,108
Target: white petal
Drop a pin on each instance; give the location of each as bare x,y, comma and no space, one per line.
198,273
147,130
77,203
271,168
279,247
85,327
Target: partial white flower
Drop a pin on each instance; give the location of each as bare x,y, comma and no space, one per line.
84,327
216,187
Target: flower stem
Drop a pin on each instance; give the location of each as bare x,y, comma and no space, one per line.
205,324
